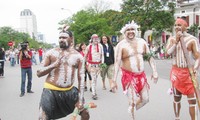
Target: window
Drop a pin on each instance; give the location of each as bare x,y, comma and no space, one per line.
197,20
183,11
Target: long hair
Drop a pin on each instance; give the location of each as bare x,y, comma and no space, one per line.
80,47
108,40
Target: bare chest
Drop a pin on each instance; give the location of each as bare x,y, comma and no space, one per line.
132,50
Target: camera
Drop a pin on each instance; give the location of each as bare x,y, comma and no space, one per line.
23,46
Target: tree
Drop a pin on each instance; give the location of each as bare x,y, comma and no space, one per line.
87,23
98,6
115,20
95,19
149,14
8,34
193,29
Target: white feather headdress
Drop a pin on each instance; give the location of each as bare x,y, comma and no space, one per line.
129,25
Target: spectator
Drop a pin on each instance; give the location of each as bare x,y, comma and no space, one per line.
26,68
40,52
34,56
108,60
12,56
2,59
82,49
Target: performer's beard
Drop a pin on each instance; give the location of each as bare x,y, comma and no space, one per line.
64,45
95,42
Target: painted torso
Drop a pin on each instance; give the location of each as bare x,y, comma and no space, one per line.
132,54
96,53
64,75
178,58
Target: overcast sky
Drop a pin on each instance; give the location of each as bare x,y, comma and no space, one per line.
48,13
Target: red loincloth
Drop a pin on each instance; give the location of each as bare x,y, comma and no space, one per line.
181,80
137,80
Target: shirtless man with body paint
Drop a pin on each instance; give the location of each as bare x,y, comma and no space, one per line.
129,57
180,76
95,57
59,96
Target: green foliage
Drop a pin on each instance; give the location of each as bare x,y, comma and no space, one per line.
103,65
8,34
151,14
193,29
87,23
114,20
147,56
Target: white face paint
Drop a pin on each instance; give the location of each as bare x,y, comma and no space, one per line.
95,40
130,33
64,40
178,27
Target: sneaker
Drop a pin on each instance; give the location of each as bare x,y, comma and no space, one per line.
30,91
94,97
21,95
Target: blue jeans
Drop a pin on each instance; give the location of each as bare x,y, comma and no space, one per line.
12,61
34,60
40,58
25,71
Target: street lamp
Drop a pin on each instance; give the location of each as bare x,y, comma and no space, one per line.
71,14
67,10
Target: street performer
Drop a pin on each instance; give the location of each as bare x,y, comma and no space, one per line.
59,97
180,75
129,55
94,57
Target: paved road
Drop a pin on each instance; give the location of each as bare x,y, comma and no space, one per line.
110,106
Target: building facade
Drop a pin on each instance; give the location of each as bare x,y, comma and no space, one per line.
191,11
28,23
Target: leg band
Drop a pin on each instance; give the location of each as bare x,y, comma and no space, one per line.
175,94
194,98
177,109
192,105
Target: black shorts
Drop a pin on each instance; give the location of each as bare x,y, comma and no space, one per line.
58,104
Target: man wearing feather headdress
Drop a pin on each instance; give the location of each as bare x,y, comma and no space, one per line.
59,97
129,57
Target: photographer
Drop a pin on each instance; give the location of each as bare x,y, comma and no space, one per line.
25,61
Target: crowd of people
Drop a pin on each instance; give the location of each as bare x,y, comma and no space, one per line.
25,57
60,97
12,55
